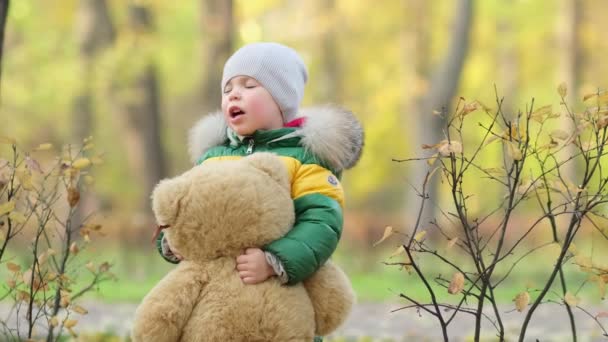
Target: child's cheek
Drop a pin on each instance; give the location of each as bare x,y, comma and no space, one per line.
257,107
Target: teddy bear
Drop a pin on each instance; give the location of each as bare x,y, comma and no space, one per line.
213,212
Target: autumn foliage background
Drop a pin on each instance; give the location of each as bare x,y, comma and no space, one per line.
135,75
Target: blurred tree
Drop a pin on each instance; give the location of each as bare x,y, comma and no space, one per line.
95,33
444,85
507,62
137,98
3,15
330,87
217,26
416,41
570,58
569,66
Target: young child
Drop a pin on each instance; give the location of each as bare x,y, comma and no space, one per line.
263,85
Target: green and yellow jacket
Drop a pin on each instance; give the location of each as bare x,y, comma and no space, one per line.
316,148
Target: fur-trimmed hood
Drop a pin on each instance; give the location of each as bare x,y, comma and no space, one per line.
331,133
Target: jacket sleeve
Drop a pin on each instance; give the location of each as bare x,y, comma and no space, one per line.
318,201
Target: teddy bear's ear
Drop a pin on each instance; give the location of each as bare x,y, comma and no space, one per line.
166,199
271,164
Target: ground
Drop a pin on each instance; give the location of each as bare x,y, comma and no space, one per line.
375,322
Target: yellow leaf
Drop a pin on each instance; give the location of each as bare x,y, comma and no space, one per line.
104,267
572,249
541,113
562,89
513,151
560,134
468,108
420,235
54,321
81,163
79,309
399,250
388,231
521,301
72,332
65,301
588,96
448,147
457,283
18,217
7,140
603,98
452,242
73,196
74,248
89,180
583,261
554,250
90,266
432,159
25,178
13,267
88,146
44,147
70,323
571,299
7,207
495,171
96,160
27,276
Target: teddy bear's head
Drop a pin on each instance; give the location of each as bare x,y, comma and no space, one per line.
221,208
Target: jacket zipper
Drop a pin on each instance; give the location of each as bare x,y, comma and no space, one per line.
250,147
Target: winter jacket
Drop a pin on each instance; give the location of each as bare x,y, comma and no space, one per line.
316,148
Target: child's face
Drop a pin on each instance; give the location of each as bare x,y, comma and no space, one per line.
248,106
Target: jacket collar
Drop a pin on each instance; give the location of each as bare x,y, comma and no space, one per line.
331,133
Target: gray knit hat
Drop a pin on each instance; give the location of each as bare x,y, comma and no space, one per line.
277,67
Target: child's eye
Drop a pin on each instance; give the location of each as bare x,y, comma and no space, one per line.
227,90
250,86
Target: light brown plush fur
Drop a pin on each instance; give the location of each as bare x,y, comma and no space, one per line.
215,211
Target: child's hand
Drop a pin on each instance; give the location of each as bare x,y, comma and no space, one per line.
253,267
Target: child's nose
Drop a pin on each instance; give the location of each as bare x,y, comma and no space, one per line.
234,95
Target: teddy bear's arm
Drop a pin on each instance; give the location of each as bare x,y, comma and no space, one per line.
165,310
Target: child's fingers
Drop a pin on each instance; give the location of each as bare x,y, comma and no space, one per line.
250,281
246,274
243,267
241,259
251,250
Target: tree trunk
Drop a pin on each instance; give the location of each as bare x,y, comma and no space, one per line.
443,87
569,22
416,42
507,64
4,4
330,87
143,115
217,25
95,33
136,98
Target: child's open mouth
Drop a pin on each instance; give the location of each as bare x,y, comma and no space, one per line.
235,112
